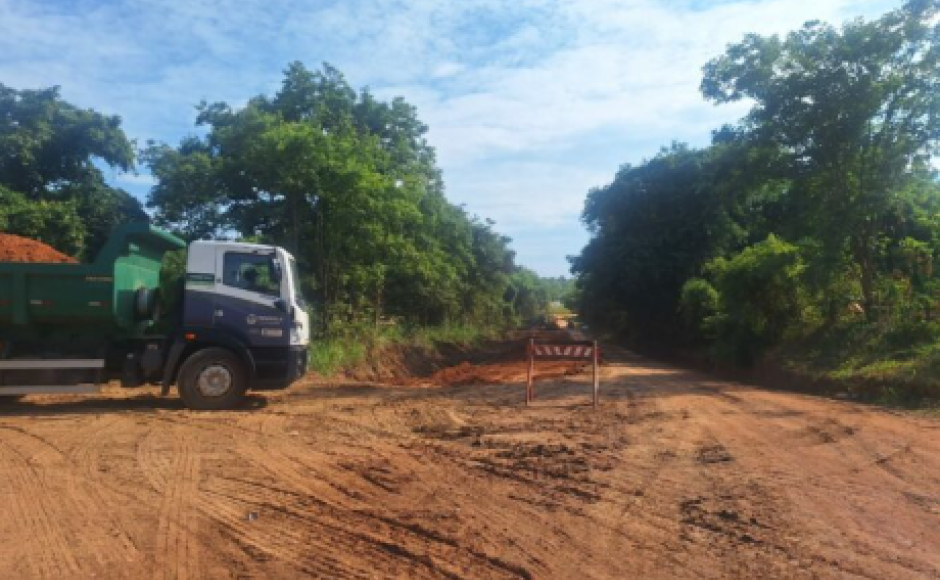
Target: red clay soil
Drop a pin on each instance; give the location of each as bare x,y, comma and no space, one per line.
675,476
18,249
501,372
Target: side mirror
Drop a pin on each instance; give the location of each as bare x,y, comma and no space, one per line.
281,304
276,271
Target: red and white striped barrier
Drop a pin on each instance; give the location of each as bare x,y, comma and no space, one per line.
564,351
571,350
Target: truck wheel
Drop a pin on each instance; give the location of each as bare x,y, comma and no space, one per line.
212,379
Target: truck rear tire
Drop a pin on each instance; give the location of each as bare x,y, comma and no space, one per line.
212,379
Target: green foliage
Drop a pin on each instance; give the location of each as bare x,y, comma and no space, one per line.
528,295
172,283
354,347
333,354
698,304
46,142
837,156
558,289
896,366
760,297
55,223
50,186
349,184
654,227
855,114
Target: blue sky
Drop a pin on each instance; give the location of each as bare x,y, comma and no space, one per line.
530,103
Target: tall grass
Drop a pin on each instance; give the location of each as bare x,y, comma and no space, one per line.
895,365
347,350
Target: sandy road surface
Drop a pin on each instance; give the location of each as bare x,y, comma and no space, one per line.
676,476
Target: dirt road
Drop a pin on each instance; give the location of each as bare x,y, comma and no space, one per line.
676,476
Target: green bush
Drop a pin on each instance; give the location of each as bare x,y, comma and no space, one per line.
55,223
761,298
698,305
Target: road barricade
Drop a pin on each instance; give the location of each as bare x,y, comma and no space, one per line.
561,350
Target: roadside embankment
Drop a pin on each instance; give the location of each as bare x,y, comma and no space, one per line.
439,361
826,367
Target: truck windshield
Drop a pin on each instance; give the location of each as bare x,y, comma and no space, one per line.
295,282
252,272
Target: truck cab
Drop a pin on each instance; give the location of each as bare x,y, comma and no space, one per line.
242,299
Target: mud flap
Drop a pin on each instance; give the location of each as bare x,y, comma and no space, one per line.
172,361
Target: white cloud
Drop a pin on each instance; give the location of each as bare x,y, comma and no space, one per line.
447,69
530,102
545,200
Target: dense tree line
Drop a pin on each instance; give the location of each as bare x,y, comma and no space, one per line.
819,209
349,183
345,180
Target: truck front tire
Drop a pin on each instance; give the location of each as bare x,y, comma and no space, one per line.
212,379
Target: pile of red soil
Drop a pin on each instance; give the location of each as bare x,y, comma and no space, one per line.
18,249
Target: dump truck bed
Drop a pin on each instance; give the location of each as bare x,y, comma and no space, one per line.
39,299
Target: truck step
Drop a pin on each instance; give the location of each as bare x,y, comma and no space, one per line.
46,364
50,390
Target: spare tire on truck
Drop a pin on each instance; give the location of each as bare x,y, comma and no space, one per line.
147,303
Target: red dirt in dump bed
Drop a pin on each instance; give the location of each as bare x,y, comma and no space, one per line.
19,249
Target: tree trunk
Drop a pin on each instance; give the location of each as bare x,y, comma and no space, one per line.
866,263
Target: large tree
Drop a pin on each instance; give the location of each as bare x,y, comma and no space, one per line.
854,113
653,227
347,182
50,153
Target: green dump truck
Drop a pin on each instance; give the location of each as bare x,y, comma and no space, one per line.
240,322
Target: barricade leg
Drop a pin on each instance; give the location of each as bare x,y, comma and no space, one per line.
596,377
529,385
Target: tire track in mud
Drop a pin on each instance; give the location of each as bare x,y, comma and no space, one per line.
388,537
675,476
38,518
821,428
819,438
806,428
112,545
324,536
322,542
101,542
154,465
258,539
176,552
733,498
735,514
652,478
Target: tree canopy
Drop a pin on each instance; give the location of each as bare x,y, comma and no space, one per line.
820,205
348,183
343,179
51,184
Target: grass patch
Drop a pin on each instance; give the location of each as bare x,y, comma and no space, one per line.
896,367
330,355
